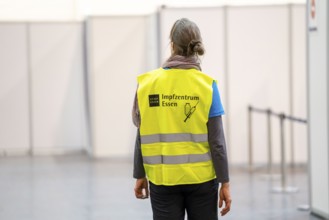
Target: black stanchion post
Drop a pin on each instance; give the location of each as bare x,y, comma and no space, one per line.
269,141
250,137
283,187
283,155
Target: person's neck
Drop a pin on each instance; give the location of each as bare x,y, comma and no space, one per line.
182,62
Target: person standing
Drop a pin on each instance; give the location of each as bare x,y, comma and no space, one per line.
180,151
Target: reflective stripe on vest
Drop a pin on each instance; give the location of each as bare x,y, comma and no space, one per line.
190,158
182,137
174,107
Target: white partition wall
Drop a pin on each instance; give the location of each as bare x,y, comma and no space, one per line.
57,82
259,73
118,50
267,70
14,88
318,94
42,88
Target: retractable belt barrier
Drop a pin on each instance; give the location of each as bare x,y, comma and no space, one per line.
282,117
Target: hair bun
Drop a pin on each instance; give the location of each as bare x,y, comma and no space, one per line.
196,47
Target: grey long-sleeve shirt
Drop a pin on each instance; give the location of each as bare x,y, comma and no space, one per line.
216,141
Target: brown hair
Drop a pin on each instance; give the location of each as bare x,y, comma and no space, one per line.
186,38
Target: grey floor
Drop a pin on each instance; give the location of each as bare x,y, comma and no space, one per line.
76,187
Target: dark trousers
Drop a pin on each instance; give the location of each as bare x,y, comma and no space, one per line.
200,201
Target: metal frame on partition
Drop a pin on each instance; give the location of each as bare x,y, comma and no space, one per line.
85,50
327,70
291,81
327,34
308,106
159,35
227,70
30,101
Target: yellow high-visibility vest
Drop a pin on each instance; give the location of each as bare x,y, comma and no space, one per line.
174,107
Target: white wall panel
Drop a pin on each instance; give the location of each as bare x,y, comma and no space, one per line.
118,51
258,75
57,86
14,105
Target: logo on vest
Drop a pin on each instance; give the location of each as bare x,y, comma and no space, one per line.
154,100
189,110
174,101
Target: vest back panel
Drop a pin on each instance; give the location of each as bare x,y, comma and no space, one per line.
174,108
